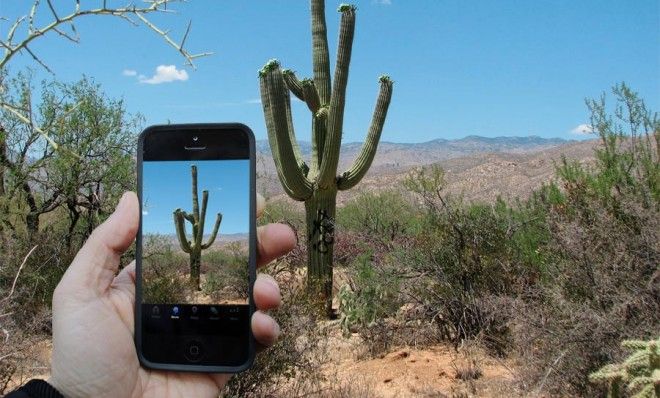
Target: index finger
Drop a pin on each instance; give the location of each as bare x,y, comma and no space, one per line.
273,241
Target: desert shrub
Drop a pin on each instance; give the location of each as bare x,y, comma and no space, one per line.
384,216
226,274
284,210
40,274
162,285
370,296
163,281
468,254
604,288
294,359
603,284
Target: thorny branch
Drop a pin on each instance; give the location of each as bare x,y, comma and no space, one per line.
12,47
156,6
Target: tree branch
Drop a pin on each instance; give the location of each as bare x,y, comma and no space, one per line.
121,12
13,285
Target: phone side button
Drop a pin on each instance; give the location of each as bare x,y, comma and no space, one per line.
193,351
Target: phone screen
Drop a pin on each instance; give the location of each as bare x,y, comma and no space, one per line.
195,255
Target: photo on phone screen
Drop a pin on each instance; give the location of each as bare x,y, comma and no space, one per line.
196,247
195,232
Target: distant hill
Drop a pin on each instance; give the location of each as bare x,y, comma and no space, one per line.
397,154
483,176
477,167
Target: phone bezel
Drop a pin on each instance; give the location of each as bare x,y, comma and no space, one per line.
219,127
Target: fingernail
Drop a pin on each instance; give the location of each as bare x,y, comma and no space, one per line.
270,281
294,230
122,203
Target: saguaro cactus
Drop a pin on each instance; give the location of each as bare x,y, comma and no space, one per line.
317,183
195,246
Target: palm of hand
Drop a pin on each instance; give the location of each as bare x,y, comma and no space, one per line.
93,349
108,363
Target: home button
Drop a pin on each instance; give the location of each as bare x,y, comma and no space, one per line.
193,351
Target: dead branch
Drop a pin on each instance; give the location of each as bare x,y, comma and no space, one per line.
156,6
12,48
13,285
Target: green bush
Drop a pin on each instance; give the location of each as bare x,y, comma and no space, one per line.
226,274
284,210
163,281
386,216
601,285
292,360
370,296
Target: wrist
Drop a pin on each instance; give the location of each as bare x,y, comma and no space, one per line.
37,388
55,386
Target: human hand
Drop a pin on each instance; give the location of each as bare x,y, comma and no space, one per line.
93,317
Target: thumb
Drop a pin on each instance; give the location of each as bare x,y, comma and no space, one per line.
92,271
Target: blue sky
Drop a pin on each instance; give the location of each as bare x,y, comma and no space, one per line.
167,185
488,68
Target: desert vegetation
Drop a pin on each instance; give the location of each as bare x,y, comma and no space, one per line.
552,283
547,285
166,273
531,296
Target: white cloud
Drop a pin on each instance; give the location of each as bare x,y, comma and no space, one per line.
129,72
253,101
145,212
383,2
582,129
165,74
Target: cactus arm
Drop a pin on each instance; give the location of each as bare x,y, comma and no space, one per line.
194,193
308,94
292,135
327,174
270,126
275,98
318,139
188,217
362,163
294,85
311,96
179,224
202,217
214,233
321,54
304,89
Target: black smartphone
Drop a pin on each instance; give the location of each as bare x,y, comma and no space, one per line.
196,247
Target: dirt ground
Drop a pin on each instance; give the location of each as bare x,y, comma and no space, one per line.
435,371
403,372
410,372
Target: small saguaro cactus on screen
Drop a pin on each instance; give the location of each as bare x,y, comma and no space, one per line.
195,246
317,183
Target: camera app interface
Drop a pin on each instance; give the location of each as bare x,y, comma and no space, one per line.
195,237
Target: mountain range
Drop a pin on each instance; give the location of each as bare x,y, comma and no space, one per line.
477,168
391,154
